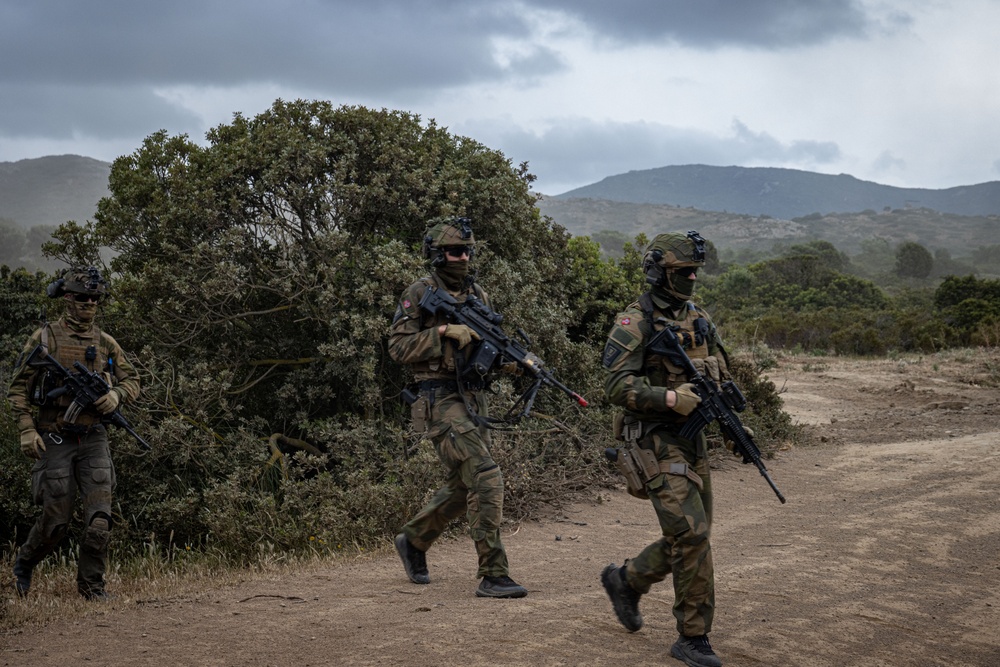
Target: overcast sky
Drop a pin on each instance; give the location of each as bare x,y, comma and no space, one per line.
900,92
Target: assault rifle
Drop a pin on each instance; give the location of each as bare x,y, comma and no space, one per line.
717,403
84,386
494,343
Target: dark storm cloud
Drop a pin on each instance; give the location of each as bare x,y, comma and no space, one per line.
124,51
714,23
583,151
373,46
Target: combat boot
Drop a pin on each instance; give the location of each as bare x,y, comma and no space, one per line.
414,560
624,598
500,587
96,595
22,576
695,651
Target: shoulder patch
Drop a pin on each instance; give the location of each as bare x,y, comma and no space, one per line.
611,354
627,340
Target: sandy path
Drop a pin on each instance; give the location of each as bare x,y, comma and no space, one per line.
886,554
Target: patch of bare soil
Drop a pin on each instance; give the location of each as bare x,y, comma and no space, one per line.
887,553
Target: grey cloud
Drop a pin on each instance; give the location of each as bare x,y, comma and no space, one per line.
103,112
352,47
577,152
886,161
765,24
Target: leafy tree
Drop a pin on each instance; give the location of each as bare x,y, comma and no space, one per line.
913,260
255,278
968,302
824,251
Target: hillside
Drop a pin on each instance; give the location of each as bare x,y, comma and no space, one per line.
956,233
51,190
780,193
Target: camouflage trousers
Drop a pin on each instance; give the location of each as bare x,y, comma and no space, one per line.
72,463
474,485
685,516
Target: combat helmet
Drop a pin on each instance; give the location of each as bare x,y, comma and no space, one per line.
79,280
444,233
668,253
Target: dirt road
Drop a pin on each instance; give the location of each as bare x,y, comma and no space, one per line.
887,553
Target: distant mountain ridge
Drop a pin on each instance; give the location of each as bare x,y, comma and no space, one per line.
780,193
53,189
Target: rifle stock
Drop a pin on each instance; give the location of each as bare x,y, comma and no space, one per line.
717,404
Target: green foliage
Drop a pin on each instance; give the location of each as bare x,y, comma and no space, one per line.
913,260
824,251
21,299
598,289
972,306
255,278
796,282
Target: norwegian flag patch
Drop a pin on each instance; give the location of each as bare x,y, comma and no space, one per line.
626,321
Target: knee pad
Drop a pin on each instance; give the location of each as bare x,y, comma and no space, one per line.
98,533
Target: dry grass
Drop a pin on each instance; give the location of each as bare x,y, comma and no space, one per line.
144,580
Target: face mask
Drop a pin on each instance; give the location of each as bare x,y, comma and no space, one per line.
453,274
682,285
82,312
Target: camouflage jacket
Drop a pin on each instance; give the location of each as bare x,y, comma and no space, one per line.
638,381
414,338
66,346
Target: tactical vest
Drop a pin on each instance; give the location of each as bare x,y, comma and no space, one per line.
67,347
694,338
442,367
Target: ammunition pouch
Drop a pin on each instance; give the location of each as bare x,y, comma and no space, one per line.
640,466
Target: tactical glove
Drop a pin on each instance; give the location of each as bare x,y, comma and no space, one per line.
108,403
731,446
461,334
511,368
687,400
32,444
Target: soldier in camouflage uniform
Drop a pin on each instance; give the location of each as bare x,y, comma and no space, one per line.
657,400
70,457
451,416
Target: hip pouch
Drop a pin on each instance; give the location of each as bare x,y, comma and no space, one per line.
419,409
638,466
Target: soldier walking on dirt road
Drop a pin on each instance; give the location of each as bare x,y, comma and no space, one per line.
674,474
71,453
451,416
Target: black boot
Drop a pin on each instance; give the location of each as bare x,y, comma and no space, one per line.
22,576
695,651
95,594
500,587
414,560
624,598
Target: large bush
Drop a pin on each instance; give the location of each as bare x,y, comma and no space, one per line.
254,279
